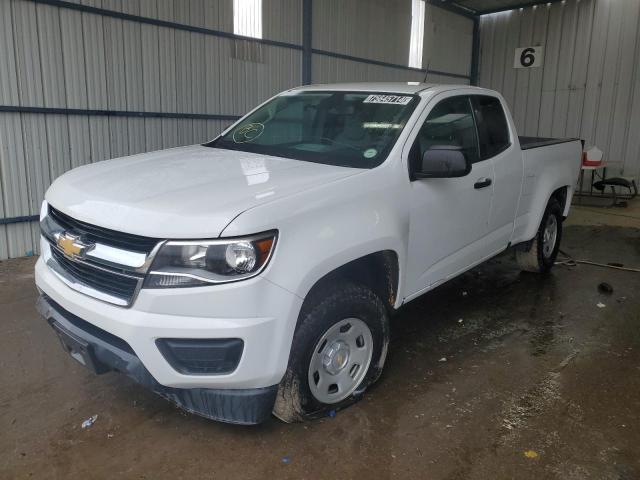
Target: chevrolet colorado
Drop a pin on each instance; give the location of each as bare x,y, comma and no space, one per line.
257,273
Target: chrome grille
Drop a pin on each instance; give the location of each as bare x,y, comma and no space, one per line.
101,263
103,280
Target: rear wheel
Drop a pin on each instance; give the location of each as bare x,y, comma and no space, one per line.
540,254
339,349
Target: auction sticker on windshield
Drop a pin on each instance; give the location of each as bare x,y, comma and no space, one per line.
248,132
397,99
370,153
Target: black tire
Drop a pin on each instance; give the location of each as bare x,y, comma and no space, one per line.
321,311
531,256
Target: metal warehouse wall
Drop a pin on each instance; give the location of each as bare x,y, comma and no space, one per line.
89,80
379,30
589,84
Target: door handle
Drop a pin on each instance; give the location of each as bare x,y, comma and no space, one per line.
482,183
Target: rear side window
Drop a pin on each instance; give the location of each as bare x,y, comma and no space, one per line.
493,131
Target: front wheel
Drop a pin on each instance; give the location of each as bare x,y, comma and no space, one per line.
339,349
540,254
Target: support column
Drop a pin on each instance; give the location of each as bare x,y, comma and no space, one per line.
475,52
307,25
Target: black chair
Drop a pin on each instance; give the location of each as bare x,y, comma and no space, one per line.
614,182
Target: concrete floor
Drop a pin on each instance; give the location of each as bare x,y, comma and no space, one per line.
538,382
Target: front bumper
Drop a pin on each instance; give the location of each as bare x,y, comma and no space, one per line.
103,352
256,311
260,313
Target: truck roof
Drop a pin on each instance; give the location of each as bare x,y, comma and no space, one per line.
390,87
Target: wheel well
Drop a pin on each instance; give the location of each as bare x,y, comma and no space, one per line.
378,271
561,196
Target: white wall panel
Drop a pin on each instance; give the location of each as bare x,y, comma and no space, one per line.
25,164
14,183
95,62
57,128
52,58
27,51
282,20
379,30
329,69
73,55
448,40
534,85
8,74
150,42
589,84
8,96
374,29
434,78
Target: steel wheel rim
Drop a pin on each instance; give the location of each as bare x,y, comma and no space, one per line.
549,236
340,360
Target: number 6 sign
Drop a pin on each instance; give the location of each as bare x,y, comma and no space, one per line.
528,57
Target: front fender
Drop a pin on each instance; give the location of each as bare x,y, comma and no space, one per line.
326,227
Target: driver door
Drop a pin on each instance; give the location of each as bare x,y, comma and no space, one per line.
449,217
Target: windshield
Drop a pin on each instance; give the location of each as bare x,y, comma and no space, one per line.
350,129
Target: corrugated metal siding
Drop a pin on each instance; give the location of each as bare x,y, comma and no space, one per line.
374,29
379,30
63,58
589,84
328,69
219,12
281,18
66,58
448,40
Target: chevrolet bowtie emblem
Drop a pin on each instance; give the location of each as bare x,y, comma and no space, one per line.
72,246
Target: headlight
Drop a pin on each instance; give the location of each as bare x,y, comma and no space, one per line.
192,263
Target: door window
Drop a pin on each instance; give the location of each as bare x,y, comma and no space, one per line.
449,123
493,130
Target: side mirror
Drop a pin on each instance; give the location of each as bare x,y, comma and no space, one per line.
443,161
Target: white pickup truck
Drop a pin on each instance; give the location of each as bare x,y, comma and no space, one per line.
257,273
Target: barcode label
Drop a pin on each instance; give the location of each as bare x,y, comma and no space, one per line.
397,99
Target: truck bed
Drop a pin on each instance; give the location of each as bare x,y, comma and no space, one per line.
527,143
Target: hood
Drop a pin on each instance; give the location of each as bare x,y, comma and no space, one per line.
186,192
